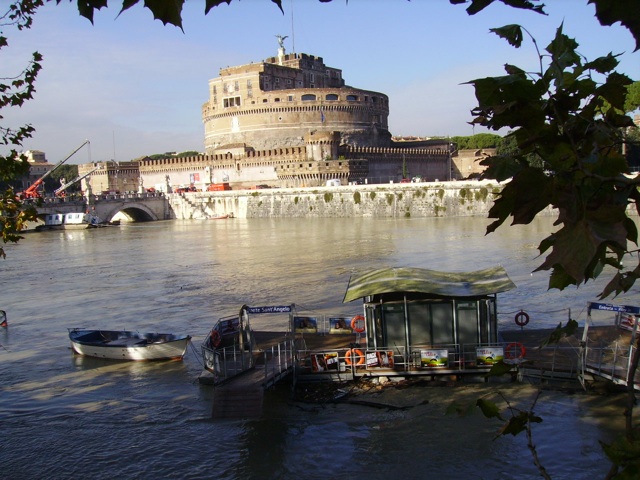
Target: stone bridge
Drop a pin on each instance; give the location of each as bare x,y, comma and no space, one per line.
131,207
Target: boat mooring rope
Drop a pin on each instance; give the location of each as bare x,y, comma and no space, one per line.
195,352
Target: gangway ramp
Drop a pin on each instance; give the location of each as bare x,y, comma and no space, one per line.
240,393
611,358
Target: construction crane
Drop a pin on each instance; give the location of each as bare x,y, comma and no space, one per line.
32,191
60,191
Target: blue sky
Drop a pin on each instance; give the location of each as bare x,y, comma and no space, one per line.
134,87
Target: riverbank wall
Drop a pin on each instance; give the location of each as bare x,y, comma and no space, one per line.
433,199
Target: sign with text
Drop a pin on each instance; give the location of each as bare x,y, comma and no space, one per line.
614,308
271,309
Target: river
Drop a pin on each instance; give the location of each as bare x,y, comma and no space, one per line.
64,416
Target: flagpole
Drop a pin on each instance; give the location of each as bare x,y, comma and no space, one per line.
293,35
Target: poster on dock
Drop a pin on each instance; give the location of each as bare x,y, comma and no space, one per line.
340,325
228,327
434,358
489,355
324,362
305,324
379,359
628,322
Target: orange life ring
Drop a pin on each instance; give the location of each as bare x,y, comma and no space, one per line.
521,318
514,350
216,338
357,353
358,324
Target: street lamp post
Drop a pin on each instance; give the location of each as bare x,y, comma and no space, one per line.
449,145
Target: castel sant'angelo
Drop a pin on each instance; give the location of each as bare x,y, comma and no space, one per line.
292,121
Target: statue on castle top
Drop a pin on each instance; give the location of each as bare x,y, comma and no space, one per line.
281,40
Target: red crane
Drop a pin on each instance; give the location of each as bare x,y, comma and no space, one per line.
32,191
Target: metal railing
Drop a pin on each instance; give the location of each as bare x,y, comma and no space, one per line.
278,362
226,362
429,359
612,362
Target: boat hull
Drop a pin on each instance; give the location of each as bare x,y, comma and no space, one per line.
132,346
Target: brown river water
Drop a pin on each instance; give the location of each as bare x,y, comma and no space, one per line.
64,416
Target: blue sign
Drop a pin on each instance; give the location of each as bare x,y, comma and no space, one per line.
614,308
270,309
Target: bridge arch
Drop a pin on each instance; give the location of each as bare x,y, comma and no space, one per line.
134,212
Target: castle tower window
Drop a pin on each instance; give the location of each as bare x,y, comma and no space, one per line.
308,97
237,86
331,97
290,98
264,100
276,81
249,83
352,98
277,99
231,102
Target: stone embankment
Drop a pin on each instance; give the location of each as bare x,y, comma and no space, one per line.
434,199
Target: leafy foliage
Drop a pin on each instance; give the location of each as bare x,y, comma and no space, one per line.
66,172
608,12
167,11
556,114
14,92
561,332
477,141
624,453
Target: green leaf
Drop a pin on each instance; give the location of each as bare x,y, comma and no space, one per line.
86,7
511,33
167,11
489,409
561,332
209,4
603,64
479,5
625,454
609,12
526,195
461,409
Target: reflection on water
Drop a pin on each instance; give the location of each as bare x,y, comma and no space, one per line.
99,419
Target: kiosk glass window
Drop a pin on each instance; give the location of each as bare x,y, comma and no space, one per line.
442,323
393,318
468,322
420,323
